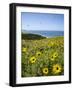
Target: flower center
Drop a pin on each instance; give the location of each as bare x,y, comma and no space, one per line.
52,57
33,59
38,54
45,70
57,68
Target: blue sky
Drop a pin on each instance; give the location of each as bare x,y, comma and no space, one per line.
42,21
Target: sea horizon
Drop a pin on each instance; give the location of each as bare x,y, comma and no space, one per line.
45,33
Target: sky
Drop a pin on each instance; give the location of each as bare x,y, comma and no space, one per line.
42,21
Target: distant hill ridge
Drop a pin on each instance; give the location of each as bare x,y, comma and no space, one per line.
32,36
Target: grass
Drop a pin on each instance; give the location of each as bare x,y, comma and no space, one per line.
42,57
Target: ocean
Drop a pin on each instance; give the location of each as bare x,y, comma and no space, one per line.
46,33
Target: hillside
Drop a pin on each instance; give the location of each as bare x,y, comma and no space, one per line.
32,36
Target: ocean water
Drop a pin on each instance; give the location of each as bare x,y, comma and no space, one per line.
46,33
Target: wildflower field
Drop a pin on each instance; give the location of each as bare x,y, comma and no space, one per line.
42,57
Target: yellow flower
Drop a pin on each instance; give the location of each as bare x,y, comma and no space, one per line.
52,58
55,54
38,53
51,44
33,59
24,49
45,71
56,69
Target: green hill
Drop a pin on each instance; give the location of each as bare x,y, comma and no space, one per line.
32,36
